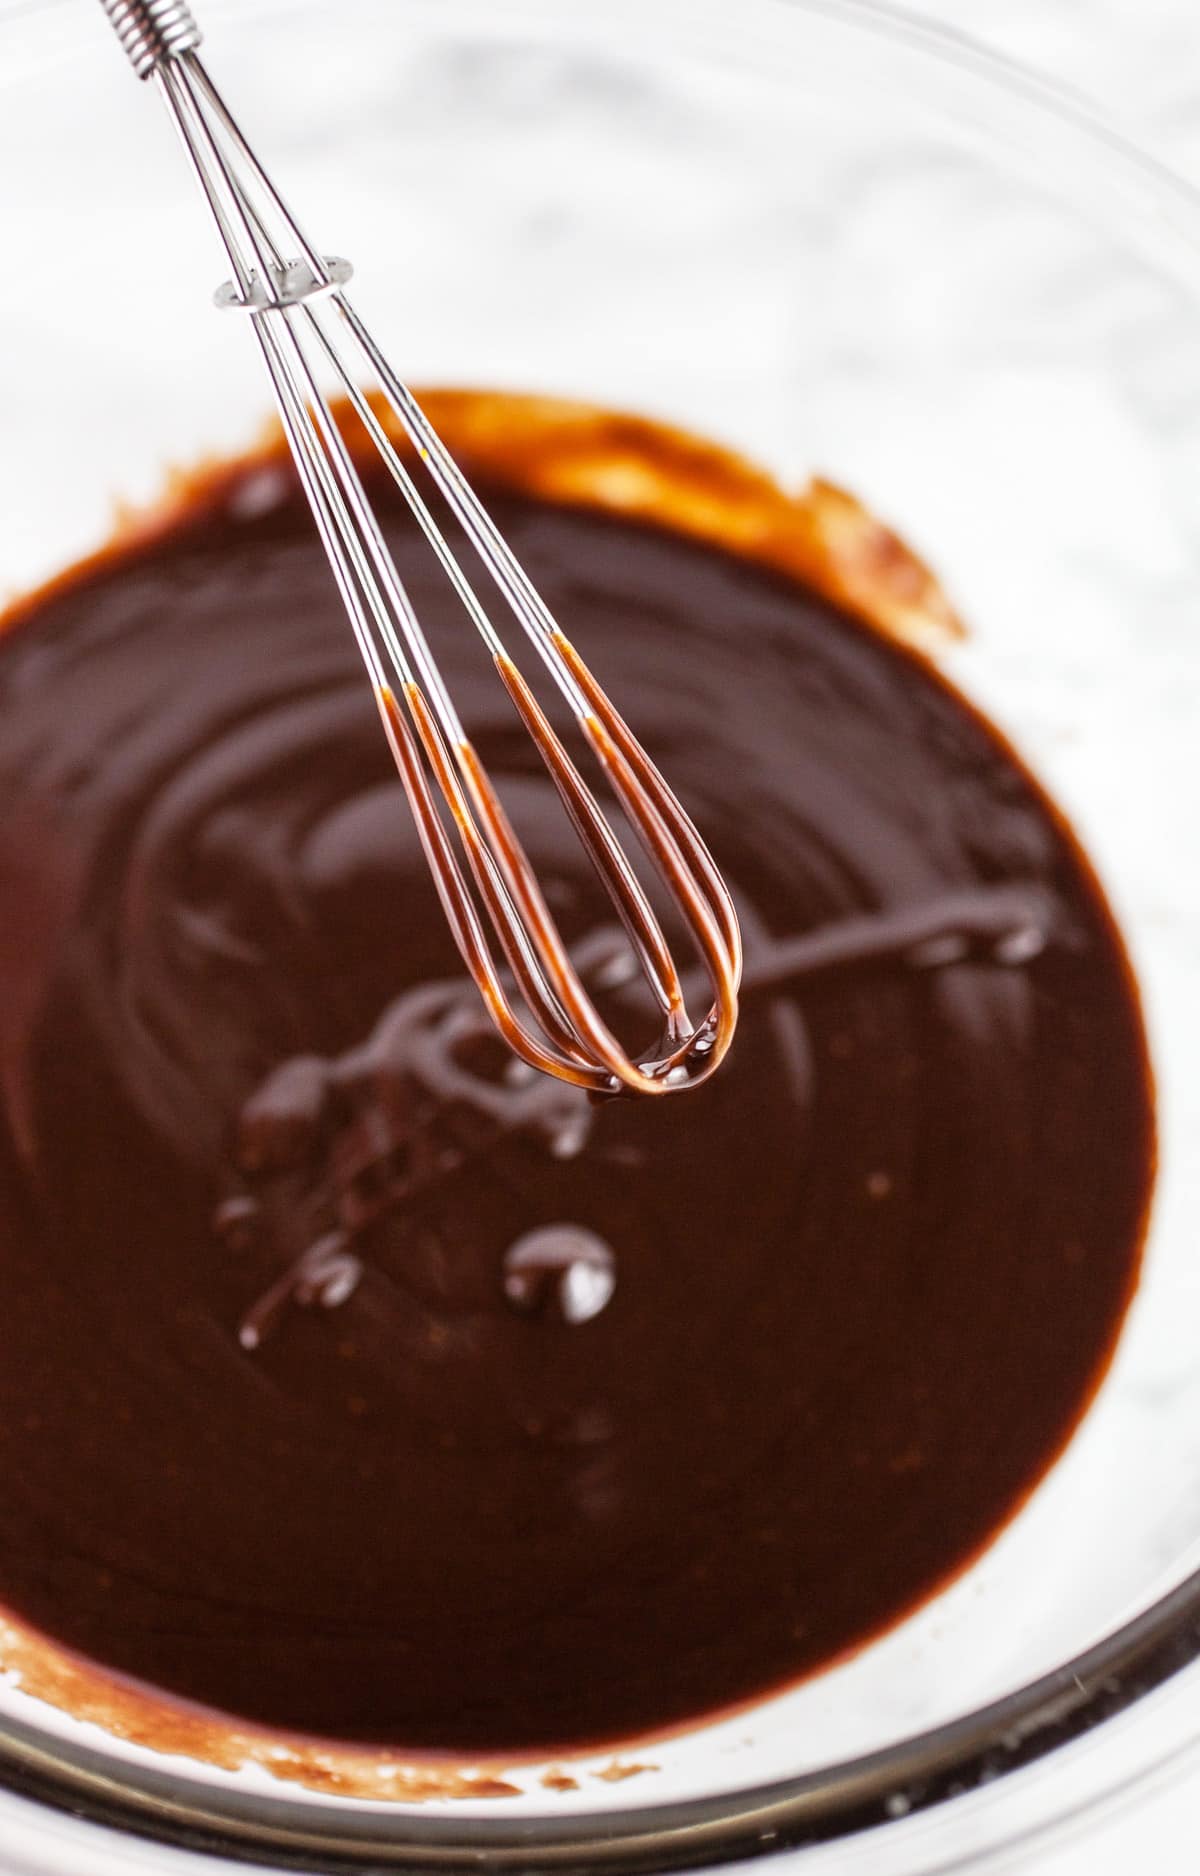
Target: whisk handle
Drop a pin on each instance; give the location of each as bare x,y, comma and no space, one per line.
152,31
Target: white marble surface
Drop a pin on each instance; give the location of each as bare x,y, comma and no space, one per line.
1136,57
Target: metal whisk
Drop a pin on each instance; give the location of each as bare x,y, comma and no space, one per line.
304,323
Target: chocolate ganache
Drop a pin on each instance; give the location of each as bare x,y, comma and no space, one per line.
357,1381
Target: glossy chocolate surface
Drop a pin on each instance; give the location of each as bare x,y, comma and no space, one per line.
356,1382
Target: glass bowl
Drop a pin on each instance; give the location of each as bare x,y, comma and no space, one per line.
841,243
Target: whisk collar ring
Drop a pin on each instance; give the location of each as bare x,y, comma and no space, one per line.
289,285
